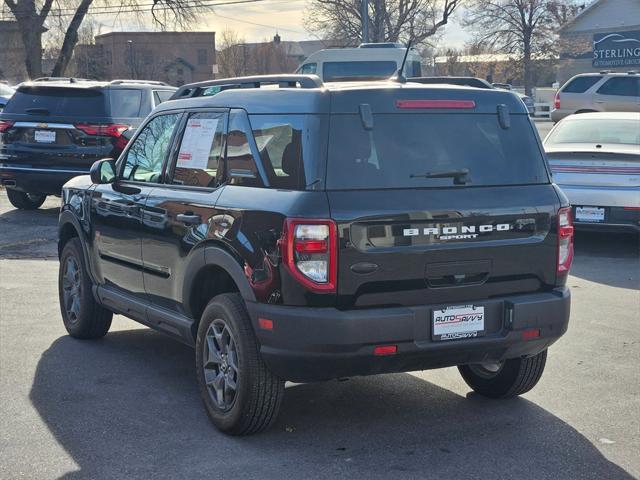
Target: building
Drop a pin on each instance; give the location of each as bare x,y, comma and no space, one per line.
269,57
603,36
12,67
173,57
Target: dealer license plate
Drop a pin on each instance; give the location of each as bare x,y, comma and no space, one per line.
455,322
590,214
44,136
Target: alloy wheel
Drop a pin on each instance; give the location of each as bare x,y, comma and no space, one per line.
220,365
72,289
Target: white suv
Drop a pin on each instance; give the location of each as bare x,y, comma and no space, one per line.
598,92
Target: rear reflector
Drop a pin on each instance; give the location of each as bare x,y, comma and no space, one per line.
632,209
265,324
385,350
435,104
6,125
531,334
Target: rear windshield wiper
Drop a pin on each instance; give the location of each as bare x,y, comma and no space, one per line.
43,111
460,176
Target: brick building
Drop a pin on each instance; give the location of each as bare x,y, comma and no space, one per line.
173,57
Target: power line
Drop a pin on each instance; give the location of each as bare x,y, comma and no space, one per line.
148,7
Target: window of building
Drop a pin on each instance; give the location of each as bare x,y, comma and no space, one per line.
200,151
202,56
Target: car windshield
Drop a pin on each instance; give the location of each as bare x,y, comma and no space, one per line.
6,90
600,130
56,101
369,70
432,150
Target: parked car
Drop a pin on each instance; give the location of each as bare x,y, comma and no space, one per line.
317,231
598,92
369,61
478,83
53,129
6,92
595,159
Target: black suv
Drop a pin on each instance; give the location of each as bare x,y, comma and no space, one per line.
53,129
295,231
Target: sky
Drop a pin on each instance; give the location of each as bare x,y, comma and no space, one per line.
260,21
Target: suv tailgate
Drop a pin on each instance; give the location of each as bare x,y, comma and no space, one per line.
447,246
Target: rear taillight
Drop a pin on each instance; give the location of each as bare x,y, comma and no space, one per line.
565,240
556,101
102,130
309,251
5,125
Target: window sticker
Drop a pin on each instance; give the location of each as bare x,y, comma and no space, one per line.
196,143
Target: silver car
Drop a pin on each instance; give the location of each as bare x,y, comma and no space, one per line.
595,159
598,92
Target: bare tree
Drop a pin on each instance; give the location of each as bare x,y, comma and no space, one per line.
389,20
232,55
32,16
526,28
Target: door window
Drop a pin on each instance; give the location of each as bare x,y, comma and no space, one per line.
241,165
309,68
201,150
145,157
621,86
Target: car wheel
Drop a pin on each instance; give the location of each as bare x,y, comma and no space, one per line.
83,317
240,394
24,200
505,379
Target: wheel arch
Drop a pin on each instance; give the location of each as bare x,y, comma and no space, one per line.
212,270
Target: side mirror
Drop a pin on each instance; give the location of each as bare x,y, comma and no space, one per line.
103,171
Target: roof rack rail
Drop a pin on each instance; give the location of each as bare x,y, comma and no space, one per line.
120,81
60,79
289,80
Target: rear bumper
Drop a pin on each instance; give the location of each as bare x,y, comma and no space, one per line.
48,181
310,344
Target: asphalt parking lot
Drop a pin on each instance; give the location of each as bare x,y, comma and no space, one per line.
127,406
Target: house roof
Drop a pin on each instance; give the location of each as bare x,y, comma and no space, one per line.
620,16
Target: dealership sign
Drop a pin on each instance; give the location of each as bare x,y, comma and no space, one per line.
620,49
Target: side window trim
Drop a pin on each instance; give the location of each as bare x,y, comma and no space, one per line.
123,155
170,165
255,153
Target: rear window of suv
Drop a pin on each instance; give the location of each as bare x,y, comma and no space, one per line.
581,84
125,102
57,101
402,149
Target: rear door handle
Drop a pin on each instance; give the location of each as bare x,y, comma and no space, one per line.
189,219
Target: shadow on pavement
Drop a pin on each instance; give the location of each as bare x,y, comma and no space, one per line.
128,407
608,258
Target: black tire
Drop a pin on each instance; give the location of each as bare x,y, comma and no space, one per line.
87,318
254,403
515,376
25,201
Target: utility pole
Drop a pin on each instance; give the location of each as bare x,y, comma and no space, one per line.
365,21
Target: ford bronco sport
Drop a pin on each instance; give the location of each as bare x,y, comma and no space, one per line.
291,230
